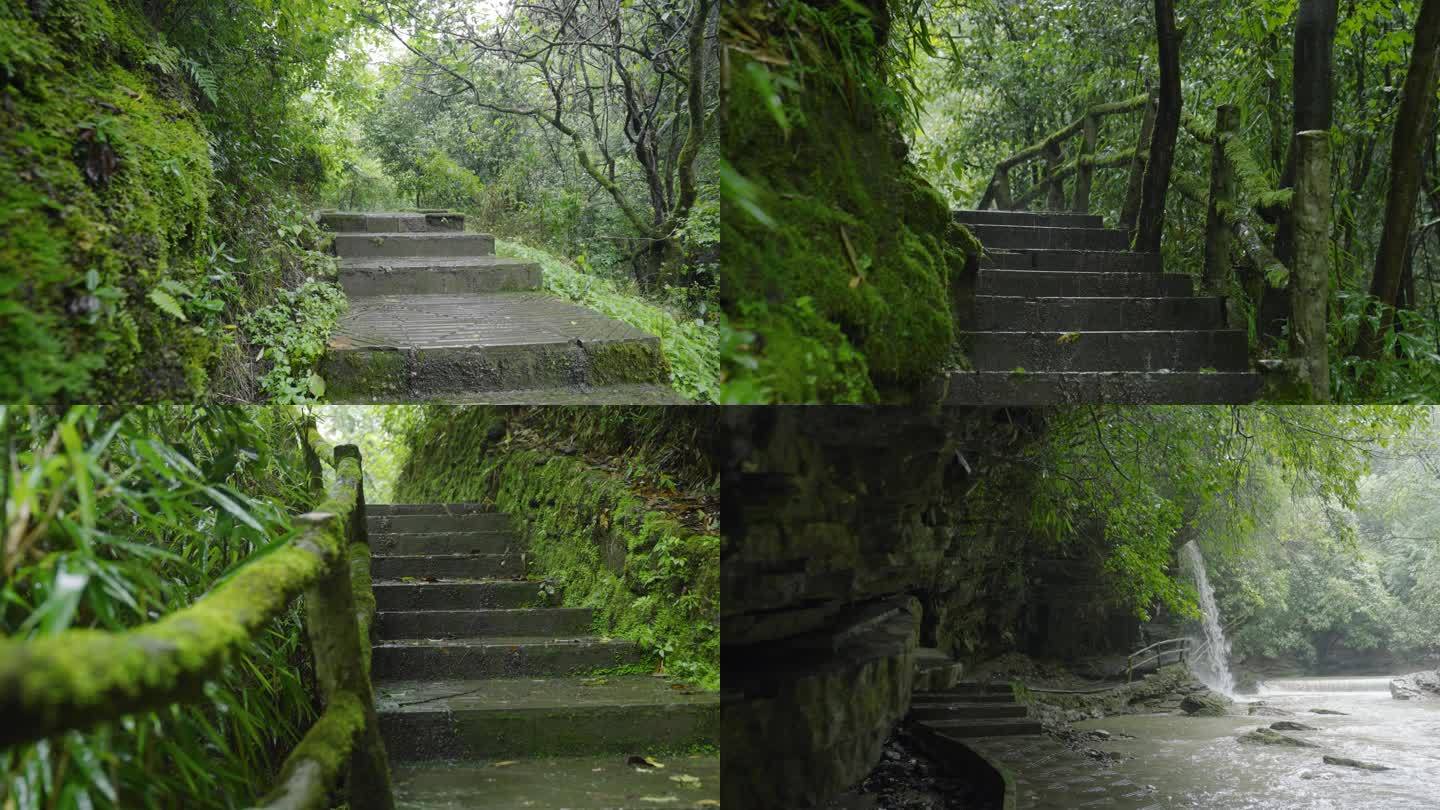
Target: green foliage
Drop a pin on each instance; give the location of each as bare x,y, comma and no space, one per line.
151,166
839,258
689,343
1142,481
123,516
292,334
617,505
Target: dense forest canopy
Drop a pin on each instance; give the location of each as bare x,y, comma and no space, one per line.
1314,518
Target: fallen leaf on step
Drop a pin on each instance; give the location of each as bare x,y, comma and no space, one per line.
431,579
644,762
707,803
687,780
660,799
506,762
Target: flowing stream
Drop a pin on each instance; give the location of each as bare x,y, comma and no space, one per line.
1199,762
1210,654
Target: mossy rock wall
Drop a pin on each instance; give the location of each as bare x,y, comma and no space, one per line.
604,498
839,259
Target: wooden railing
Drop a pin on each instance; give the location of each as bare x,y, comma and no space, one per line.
1176,649
79,678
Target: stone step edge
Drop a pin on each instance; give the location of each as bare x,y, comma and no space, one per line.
505,642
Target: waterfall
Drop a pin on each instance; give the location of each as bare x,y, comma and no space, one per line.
1210,654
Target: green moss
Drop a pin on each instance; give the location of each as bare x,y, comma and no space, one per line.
627,362
313,769
81,677
649,577
838,257
363,374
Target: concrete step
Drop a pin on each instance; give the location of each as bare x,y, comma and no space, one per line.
499,657
423,346
392,222
507,718
581,394
395,595
1121,387
935,670
1072,261
422,523
969,691
1073,284
1059,219
1218,349
476,274
409,545
1035,237
966,711
395,624
1014,313
934,698
388,509
448,566
984,727
400,245
551,783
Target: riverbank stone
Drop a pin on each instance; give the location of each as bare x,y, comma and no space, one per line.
1355,763
1416,686
1205,704
1290,725
1264,736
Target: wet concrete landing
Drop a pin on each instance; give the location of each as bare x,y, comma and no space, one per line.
1049,776
526,693
578,783
491,319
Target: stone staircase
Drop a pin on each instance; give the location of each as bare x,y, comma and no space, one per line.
972,709
435,314
488,693
1063,311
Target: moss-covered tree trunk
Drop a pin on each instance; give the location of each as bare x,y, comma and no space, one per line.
1416,100
1151,222
1311,279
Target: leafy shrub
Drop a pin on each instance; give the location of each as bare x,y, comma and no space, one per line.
292,333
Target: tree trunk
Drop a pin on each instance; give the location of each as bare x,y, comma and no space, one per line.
1151,222
1130,212
1222,198
1310,281
1416,99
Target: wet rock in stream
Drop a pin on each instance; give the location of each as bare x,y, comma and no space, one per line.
1355,763
1290,725
1205,704
1264,736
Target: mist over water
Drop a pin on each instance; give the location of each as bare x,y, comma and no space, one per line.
1210,653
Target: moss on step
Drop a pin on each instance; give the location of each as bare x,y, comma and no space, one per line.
611,542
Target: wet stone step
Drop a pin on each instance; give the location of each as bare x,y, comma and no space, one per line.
1124,387
392,222
1032,218
416,543
962,711
388,509
933,699
984,727
555,622
452,566
414,523
1055,284
499,657
480,274
400,245
1014,313
506,718
1073,261
573,783
425,346
1219,350
1009,237
459,595
968,691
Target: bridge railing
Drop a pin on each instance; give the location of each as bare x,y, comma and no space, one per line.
79,678
1237,184
1169,651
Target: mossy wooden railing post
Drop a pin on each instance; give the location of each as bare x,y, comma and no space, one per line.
1085,166
1312,263
1221,203
1054,159
1130,213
